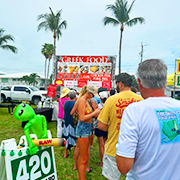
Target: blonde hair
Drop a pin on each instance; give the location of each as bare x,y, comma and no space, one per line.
83,91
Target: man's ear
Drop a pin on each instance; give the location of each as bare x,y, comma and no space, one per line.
139,83
120,84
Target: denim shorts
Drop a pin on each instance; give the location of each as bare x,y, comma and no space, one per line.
101,133
83,129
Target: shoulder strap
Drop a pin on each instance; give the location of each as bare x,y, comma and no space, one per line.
62,104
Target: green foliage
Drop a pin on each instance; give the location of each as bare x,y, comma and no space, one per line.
135,83
31,79
4,39
11,128
47,51
121,12
52,22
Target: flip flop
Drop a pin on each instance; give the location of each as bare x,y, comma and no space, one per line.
90,170
99,164
66,156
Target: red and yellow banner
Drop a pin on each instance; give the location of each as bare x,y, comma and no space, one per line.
83,77
59,83
178,66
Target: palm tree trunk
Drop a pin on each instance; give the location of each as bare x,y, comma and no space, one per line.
48,72
54,60
45,85
120,44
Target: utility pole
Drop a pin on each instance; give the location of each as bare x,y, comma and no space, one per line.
141,53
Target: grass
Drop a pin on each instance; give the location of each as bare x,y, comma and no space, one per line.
11,128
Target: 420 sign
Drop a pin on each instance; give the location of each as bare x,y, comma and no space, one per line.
40,166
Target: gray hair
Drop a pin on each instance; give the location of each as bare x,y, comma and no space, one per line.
72,94
152,73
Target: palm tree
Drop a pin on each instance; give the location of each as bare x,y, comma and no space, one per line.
4,38
25,78
31,79
47,51
50,49
121,11
53,23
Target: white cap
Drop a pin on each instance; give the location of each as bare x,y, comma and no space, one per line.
103,94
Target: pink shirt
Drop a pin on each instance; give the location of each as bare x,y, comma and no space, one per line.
61,110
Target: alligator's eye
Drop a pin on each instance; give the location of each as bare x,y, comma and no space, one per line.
20,112
24,105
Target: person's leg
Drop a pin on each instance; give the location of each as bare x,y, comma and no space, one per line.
65,152
101,149
91,139
59,128
88,169
76,155
83,144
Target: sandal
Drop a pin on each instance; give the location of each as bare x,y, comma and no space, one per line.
90,170
66,156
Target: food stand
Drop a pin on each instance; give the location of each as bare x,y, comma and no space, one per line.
77,71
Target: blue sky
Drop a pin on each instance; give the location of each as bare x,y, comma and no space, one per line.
86,35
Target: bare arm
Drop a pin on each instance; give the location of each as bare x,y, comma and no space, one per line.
124,164
102,126
95,106
74,108
82,109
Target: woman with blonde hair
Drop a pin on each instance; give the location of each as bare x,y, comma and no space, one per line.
84,127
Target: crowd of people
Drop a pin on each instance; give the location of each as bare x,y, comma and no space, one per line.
138,135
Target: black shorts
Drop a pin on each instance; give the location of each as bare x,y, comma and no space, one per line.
101,133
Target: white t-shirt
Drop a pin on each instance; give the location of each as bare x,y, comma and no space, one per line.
150,133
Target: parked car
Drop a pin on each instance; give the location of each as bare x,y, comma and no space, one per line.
22,93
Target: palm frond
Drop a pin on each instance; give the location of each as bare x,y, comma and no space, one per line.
119,10
110,20
52,22
42,25
6,38
134,21
42,16
58,15
129,10
58,33
51,11
123,13
9,47
1,32
63,25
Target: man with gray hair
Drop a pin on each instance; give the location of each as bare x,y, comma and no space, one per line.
149,138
